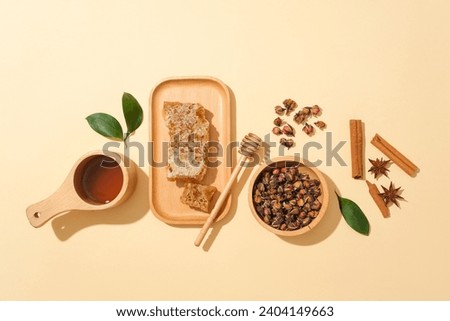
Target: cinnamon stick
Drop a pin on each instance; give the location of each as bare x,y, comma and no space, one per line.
356,142
394,155
373,190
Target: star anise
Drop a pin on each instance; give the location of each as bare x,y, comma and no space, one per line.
379,167
391,195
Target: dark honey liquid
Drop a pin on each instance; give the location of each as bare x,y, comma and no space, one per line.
102,179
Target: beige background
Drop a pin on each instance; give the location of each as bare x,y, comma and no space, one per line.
386,62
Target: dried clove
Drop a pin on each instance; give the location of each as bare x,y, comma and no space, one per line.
277,121
288,130
277,131
306,111
320,124
300,117
287,142
290,105
308,129
315,110
279,110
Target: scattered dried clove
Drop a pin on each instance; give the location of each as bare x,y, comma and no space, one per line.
279,110
288,130
290,105
308,129
315,110
320,124
278,121
299,118
287,142
306,111
277,131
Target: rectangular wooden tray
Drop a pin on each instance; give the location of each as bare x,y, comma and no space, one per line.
164,194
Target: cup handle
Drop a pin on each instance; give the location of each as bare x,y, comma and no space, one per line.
61,201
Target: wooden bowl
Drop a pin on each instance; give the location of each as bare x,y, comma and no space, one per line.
289,161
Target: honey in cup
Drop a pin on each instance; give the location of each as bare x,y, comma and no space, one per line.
99,180
96,182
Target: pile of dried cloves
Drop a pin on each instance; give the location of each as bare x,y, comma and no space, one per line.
301,118
286,198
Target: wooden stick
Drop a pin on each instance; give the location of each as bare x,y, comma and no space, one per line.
250,144
394,155
373,190
220,202
356,141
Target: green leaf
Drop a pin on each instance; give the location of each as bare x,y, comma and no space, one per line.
354,216
106,125
132,112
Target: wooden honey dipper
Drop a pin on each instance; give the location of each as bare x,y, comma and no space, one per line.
250,144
